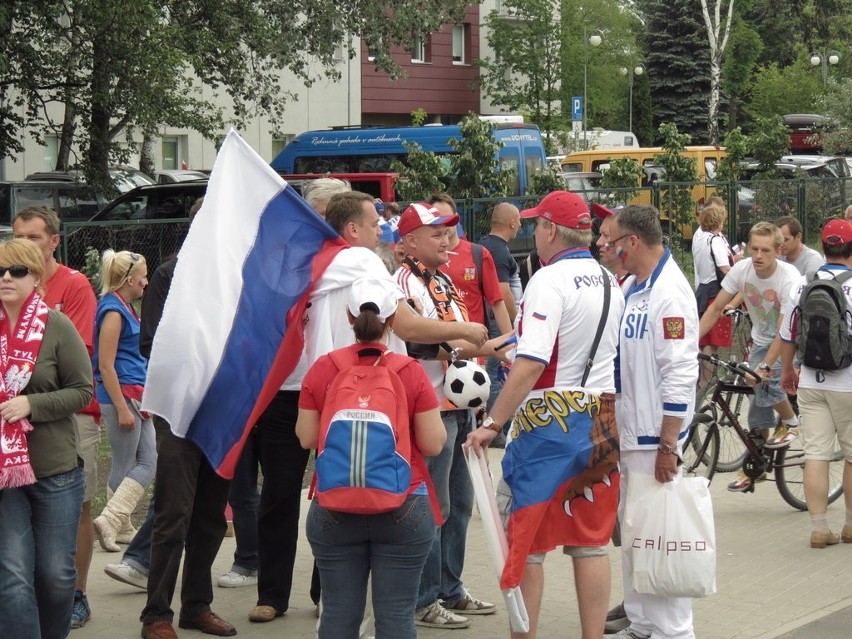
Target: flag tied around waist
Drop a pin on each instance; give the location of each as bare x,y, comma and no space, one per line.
232,329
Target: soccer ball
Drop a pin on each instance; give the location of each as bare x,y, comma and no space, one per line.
466,384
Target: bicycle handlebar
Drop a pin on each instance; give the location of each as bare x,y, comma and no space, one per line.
740,368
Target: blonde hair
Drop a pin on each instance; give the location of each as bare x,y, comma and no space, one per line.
712,217
116,268
26,253
767,229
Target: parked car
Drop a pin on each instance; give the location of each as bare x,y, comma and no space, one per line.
171,176
154,202
73,201
125,178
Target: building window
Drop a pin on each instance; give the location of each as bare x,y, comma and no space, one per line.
171,152
50,152
458,44
422,49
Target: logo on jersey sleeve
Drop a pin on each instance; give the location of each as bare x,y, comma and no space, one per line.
539,316
673,328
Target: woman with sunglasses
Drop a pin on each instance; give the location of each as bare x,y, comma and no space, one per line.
119,380
45,377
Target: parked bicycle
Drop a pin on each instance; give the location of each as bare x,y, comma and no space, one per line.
731,450
701,447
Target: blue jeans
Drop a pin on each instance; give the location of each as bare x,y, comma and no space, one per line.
244,499
760,411
443,570
38,541
134,450
138,553
347,547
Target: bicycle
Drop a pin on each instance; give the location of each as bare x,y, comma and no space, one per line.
701,446
732,453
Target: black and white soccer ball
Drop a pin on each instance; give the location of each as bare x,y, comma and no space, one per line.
466,384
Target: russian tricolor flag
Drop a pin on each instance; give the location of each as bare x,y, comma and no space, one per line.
231,330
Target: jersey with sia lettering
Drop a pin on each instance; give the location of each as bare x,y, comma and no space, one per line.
840,380
657,365
557,320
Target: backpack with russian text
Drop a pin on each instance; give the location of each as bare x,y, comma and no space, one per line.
822,323
364,453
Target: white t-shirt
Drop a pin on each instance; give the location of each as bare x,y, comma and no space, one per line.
764,297
830,380
557,320
413,287
709,250
326,323
808,261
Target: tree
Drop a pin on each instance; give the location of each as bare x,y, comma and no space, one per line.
838,106
738,67
149,62
717,39
776,91
473,171
676,193
677,70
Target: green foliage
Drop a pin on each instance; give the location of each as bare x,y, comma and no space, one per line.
676,201
738,67
544,181
778,91
419,117
678,68
837,104
729,167
643,115
473,171
769,141
92,268
624,175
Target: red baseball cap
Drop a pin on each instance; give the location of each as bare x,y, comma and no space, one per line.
837,233
563,208
423,214
599,210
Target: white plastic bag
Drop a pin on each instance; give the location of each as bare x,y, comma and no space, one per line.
669,535
495,535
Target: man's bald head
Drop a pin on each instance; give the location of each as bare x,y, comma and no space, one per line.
505,220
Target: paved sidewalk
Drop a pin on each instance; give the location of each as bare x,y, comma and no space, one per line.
771,585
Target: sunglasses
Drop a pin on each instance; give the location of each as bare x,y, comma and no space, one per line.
16,270
134,257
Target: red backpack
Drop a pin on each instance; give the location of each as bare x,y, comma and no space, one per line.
364,454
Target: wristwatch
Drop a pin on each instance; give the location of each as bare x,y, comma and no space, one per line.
668,449
490,425
763,366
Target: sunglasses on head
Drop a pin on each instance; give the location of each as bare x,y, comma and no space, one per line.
16,270
134,257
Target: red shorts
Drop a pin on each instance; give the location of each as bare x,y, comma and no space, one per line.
721,334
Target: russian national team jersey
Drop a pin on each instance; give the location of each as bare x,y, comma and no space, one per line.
556,323
657,366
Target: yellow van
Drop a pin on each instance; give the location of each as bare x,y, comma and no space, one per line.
706,159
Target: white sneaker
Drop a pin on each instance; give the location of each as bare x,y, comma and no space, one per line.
436,616
627,633
125,573
234,579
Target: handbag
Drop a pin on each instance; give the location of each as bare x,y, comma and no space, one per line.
669,536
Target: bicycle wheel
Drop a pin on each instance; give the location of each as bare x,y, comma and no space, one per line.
701,448
732,451
789,474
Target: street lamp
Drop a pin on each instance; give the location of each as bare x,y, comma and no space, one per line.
594,40
639,69
825,58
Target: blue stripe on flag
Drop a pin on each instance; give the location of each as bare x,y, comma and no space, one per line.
276,272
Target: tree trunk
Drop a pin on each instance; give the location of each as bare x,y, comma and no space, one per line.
66,137
146,158
97,155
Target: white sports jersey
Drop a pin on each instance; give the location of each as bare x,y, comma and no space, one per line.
413,287
657,366
326,323
763,297
830,380
557,320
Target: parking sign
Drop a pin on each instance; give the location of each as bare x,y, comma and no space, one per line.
577,108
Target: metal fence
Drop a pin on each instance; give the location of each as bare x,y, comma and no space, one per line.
812,201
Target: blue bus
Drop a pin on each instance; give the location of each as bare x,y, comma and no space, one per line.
371,150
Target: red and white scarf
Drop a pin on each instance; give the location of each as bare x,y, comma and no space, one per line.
19,348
